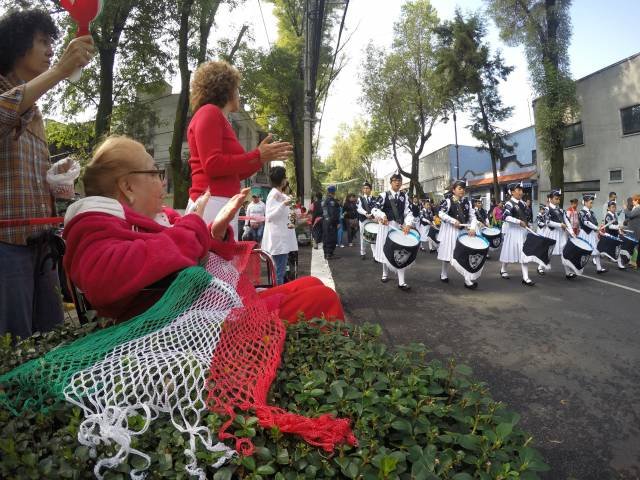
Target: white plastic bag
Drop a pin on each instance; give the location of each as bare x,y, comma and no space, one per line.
61,177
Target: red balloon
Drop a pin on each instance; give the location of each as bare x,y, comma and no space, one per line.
83,12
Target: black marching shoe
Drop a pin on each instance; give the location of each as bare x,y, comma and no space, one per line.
384,279
603,270
570,276
541,272
444,280
404,287
528,282
505,275
433,251
422,249
363,257
473,285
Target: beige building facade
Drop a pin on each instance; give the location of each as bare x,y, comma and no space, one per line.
602,146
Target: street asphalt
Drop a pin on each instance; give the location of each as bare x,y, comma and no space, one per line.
563,354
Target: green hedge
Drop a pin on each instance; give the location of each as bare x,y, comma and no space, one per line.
415,418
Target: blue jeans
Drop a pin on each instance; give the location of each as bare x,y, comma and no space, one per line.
281,267
30,299
259,232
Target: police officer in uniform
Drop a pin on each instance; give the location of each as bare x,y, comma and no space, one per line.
330,221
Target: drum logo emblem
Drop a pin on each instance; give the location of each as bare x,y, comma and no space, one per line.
401,256
583,260
475,260
496,242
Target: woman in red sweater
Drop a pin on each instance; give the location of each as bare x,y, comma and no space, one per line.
118,241
218,161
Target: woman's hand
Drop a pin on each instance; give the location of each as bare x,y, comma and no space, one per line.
270,151
77,55
201,204
227,213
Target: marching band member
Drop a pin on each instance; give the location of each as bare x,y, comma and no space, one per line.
589,228
391,209
456,213
481,214
557,227
363,206
612,227
426,223
514,230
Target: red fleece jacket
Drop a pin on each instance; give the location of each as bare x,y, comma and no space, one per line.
218,161
112,259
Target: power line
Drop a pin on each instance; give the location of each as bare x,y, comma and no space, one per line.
264,23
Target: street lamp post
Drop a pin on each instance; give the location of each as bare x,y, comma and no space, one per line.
455,131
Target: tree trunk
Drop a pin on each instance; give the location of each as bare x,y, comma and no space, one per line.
105,105
180,180
492,151
415,176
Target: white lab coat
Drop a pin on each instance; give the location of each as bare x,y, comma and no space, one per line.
277,238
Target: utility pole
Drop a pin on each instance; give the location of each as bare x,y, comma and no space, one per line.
305,191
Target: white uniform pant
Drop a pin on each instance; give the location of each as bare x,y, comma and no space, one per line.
363,244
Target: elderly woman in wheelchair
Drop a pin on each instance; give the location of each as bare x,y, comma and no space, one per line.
121,240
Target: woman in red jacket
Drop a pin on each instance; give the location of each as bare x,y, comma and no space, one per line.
119,240
218,161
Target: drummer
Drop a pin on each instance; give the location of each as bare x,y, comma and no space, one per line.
363,206
456,214
392,209
589,229
557,226
481,214
612,227
514,230
425,224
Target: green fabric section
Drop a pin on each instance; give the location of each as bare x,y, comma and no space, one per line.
39,383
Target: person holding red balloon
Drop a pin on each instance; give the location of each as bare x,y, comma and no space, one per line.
29,298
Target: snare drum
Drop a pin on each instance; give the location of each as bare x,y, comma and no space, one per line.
370,231
576,253
469,255
401,250
539,248
609,246
494,235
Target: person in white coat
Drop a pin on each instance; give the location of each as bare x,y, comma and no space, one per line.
278,240
514,231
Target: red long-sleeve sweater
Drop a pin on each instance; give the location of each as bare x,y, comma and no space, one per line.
218,161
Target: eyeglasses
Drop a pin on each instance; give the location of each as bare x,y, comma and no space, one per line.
158,171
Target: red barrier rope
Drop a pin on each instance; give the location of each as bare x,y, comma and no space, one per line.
21,222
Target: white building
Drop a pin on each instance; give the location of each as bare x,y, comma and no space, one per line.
602,147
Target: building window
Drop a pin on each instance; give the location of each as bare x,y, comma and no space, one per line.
573,135
586,186
534,157
615,175
630,119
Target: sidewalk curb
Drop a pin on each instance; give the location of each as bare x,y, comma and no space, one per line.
320,268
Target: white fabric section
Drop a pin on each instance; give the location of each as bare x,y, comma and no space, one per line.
424,231
277,239
469,277
592,239
559,235
513,239
447,237
162,373
432,245
94,204
444,271
525,271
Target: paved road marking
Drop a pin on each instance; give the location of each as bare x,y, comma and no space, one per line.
320,268
611,283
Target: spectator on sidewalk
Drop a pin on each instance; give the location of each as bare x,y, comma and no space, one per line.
331,220
572,213
632,216
218,160
613,197
256,208
29,287
278,239
316,220
350,211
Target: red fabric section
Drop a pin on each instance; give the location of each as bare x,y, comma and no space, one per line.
243,368
306,297
218,161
